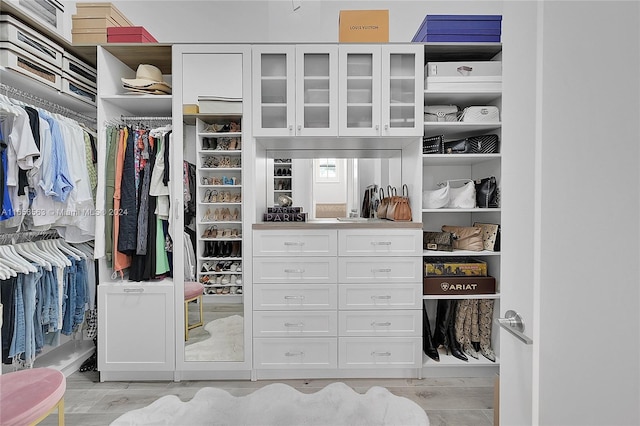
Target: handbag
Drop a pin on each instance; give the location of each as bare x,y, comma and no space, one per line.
432,144
441,113
487,195
466,237
483,144
433,240
460,146
490,235
399,208
480,114
436,198
463,197
384,203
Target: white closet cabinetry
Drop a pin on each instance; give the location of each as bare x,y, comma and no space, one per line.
441,167
295,90
136,324
381,90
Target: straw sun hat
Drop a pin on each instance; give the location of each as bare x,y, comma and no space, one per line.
148,78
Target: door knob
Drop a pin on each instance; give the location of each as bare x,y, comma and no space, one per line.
513,323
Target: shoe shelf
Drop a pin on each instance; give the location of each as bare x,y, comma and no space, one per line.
219,206
457,159
451,361
282,178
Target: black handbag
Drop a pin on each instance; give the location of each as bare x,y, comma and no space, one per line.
432,240
460,146
432,144
484,144
487,193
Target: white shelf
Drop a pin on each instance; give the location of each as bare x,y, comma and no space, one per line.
458,129
460,296
457,159
458,253
220,135
474,210
450,360
144,105
460,97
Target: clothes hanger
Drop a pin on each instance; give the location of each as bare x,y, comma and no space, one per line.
63,245
60,261
57,252
6,270
44,254
23,251
13,261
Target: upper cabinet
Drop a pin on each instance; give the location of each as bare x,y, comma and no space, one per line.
381,90
295,90
338,90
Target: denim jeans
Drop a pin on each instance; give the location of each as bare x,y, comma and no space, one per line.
23,346
69,301
81,294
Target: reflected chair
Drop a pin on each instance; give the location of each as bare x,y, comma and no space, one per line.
192,291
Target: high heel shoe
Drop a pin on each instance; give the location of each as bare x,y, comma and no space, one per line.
235,214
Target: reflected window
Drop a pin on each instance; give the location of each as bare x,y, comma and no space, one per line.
326,170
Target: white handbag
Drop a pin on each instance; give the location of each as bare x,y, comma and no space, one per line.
437,198
463,197
480,114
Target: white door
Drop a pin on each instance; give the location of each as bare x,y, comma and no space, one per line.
578,297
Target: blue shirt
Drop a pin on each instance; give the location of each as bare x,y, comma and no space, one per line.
57,183
7,208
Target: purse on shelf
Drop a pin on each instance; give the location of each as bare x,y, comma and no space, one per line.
460,146
483,144
432,144
399,208
466,237
436,198
480,114
463,197
384,203
441,113
487,194
490,235
434,240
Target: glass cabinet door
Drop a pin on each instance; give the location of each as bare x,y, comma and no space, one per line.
360,90
402,90
273,71
317,90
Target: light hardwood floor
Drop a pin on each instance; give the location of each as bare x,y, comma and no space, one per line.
447,401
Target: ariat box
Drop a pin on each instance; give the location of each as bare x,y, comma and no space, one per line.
454,266
459,285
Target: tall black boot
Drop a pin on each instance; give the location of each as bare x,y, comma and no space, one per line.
427,343
440,327
450,337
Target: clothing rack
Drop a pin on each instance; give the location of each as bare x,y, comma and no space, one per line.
26,236
36,101
136,119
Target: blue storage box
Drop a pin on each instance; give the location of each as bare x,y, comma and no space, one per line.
460,28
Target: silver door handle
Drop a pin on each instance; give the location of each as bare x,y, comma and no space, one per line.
512,322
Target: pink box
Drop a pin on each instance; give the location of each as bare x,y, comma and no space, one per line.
129,35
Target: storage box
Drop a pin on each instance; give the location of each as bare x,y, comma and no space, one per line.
454,266
13,58
368,26
460,28
459,285
25,39
190,109
76,69
89,36
470,75
219,105
102,10
85,22
129,35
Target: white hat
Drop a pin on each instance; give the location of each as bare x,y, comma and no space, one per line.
148,77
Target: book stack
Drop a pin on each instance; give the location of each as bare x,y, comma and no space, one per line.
460,29
284,214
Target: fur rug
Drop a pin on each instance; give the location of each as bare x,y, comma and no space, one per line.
225,343
278,404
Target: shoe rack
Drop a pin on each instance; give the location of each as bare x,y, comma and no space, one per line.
219,207
282,178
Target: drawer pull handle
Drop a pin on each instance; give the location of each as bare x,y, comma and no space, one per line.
294,271
294,243
381,270
294,324
381,297
381,243
134,290
294,297
380,324
374,353
295,353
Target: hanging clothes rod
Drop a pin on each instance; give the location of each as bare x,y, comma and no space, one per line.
26,236
39,102
137,118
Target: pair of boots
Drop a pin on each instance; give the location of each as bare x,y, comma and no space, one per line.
454,315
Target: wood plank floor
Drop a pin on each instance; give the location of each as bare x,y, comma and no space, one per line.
447,401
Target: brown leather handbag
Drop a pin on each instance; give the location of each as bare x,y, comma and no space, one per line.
399,208
466,237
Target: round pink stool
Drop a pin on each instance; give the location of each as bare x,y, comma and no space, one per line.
192,291
29,396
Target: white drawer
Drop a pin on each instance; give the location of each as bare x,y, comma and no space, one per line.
375,352
307,242
391,242
280,297
380,296
399,323
294,270
304,353
379,269
295,324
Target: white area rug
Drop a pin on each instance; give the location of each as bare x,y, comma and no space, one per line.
281,405
225,343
